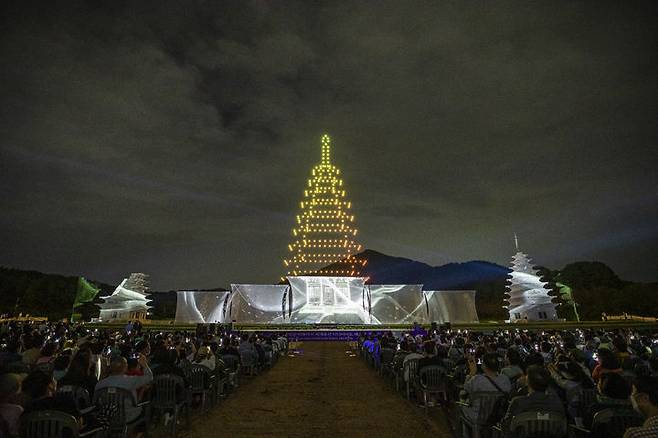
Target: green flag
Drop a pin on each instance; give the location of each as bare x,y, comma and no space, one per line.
567,297
86,292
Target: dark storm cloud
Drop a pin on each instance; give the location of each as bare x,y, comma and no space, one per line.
175,138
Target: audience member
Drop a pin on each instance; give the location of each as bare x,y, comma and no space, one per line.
539,399
119,379
645,401
10,410
489,380
613,391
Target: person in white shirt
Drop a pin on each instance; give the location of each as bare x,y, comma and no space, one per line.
205,357
119,379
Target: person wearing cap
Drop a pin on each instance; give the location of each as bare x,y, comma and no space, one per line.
645,401
10,411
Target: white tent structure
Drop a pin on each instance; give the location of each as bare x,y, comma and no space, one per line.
326,300
128,301
528,298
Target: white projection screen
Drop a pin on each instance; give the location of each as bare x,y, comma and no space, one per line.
201,307
326,300
453,306
257,303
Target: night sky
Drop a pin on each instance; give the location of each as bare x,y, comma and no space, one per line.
175,137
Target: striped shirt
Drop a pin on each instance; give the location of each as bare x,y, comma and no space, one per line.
648,430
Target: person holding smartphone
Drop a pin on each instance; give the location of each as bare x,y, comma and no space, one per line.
488,381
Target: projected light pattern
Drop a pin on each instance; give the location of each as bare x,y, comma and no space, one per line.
256,302
201,306
453,306
335,300
330,299
128,301
324,235
528,298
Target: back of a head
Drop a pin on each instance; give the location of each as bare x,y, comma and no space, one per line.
80,363
429,348
37,340
142,346
13,346
118,365
613,385
9,386
620,344
202,353
608,359
569,341
513,356
48,349
132,363
538,378
533,359
648,385
96,347
35,385
490,362
61,362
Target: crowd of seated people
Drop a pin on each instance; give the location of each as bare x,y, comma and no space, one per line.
40,362
571,375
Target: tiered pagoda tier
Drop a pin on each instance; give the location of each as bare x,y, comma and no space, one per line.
324,233
528,297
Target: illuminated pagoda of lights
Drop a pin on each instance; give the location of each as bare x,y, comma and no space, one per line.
323,283
529,299
324,234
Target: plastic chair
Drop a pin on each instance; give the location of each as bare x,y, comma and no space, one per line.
165,398
410,371
232,363
586,398
483,402
185,365
249,363
432,380
45,367
114,401
275,352
78,395
221,380
610,423
386,361
52,424
201,383
536,425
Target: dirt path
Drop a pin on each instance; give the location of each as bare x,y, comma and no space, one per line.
322,392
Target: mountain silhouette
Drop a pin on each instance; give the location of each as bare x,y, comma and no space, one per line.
384,269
